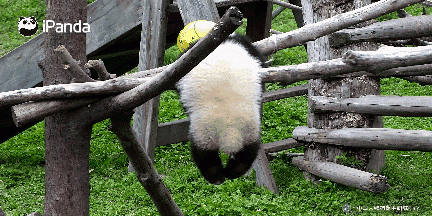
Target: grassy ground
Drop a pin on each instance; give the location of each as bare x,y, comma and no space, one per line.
116,192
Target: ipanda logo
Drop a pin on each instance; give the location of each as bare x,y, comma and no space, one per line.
66,27
27,26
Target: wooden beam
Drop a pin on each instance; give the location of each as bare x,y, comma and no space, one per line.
173,132
420,106
152,50
344,175
369,138
258,28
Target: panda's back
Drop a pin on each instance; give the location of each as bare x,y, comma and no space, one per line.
222,97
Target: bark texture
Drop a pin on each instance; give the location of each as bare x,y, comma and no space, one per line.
67,142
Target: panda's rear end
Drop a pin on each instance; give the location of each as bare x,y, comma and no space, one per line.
222,97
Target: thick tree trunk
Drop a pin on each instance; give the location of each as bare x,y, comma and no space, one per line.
319,50
67,142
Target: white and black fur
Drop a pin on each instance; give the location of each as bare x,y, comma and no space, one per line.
222,98
27,26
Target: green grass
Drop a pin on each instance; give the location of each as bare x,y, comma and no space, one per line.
116,192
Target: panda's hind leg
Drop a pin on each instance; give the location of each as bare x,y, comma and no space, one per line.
209,163
242,161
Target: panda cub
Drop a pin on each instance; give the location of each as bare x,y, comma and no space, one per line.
222,98
27,26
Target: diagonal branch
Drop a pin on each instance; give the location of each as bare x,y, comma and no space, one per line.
143,166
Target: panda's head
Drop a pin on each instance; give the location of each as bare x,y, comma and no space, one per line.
27,26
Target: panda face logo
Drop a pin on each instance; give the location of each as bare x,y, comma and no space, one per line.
27,26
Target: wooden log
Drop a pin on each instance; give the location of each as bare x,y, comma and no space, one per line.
416,70
67,91
281,145
143,166
401,72
420,106
380,60
422,80
276,12
344,175
99,66
284,93
395,29
369,138
32,112
285,4
352,61
295,155
313,31
76,74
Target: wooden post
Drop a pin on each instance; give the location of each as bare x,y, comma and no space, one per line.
67,137
193,10
318,50
152,48
258,28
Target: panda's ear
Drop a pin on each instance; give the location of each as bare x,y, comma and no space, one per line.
21,18
33,18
